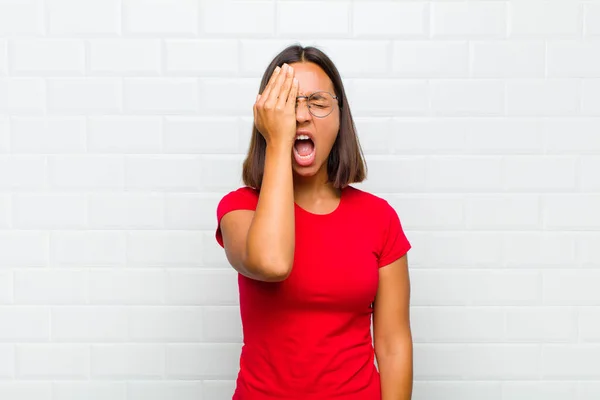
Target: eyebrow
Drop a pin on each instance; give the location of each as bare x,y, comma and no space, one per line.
310,94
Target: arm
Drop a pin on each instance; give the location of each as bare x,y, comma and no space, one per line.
392,333
260,244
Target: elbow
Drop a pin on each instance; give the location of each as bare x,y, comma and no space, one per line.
268,270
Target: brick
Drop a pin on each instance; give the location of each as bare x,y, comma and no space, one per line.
570,59
21,324
160,17
374,60
21,18
168,173
546,390
222,324
46,361
112,286
169,95
44,57
468,249
201,135
29,175
541,174
180,211
50,286
430,212
22,96
571,287
475,288
468,19
590,103
4,135
388,18
541,18
87,248
542,97
221,171
46,135
589,326
125,56
457,173
230,18
322,19
410,174
591,18
24,248
575,135
227,96
126,211
89,390
182,390
503,212
86,96
430,59
86,172
212,361
427,390
164,248
89,324
467,97
505,59
160,324
533,248
256,54
206,287
391,97
572,361
131,360
93,17
570,211
457,324
586,248
49,211
205,57
124,134
589,178
547,324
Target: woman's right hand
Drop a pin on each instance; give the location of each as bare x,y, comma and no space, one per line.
275,108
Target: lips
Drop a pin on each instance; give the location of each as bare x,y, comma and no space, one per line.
304,150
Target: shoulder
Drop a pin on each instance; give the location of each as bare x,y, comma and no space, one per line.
368,201
243,198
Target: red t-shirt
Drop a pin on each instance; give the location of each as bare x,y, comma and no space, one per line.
309,336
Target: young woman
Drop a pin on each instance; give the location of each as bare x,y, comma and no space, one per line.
315,256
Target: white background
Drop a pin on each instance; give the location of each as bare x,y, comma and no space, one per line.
122,123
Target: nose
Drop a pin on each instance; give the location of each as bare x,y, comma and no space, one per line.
302,113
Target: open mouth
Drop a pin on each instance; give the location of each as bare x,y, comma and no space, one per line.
304,150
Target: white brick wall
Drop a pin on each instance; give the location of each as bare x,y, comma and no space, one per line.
123,122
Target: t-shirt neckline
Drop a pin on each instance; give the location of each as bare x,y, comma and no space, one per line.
332,213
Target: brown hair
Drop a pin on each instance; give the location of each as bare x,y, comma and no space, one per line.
345,163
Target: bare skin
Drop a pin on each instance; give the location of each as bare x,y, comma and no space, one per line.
260,244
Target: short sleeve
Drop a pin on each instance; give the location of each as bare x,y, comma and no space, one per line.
394,243
244,198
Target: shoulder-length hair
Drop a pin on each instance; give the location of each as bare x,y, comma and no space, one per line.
345,163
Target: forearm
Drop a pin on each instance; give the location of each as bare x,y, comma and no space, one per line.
271,236
396,371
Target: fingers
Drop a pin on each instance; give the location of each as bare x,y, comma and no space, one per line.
285,89
267,90
276,89
291,100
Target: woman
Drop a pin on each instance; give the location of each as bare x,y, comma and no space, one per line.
315,256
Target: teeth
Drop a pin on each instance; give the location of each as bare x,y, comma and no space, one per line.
302,137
